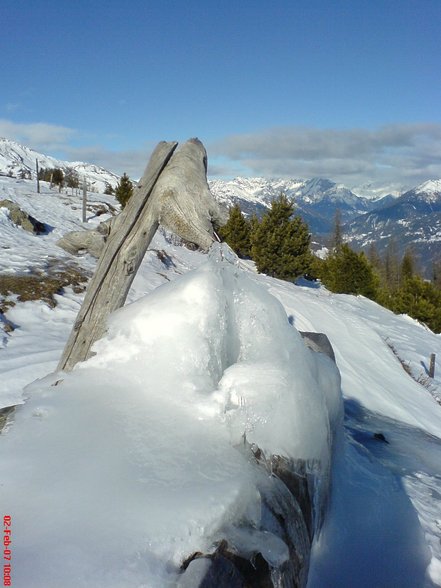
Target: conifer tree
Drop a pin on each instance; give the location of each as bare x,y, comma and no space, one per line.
391,266
236,232
254,223
348,272
436,274
124,190
337,235
419,299
108,189
72,179
280,242
57,178
407,267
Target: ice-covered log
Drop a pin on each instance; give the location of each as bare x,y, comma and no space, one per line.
205,410
277,553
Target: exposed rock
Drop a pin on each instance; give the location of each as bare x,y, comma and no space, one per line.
22,219
318,342
92,241
76,241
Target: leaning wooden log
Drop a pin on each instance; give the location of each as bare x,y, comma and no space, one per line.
117,265
174,192
185,204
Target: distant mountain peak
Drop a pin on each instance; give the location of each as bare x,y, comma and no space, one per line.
431,187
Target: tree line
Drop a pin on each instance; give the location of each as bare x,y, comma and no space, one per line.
58,177
70,178
279,243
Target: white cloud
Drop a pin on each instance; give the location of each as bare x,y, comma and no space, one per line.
58,141
39,136
406,153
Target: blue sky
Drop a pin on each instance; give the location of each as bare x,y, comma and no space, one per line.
346,89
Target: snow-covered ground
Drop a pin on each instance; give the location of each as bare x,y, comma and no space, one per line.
128,466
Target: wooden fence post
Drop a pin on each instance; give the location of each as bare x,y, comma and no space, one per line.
432,365
123,253
84,199
38,179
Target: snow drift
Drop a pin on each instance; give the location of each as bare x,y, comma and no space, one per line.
138,445
133,462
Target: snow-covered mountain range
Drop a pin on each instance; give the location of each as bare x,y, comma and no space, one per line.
412,221
370,214
316,199
19,161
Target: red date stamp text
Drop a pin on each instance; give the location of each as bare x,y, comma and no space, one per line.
7,553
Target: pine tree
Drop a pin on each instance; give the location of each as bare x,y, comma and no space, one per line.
254,223
57,178
391,267
407,267
109,189
337,235
280,242
419,299
124,190
72,179
236,232
436,274
348,272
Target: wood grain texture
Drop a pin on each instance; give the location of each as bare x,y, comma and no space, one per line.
173,192
124,250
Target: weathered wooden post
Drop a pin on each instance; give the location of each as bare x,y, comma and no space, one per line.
432,365
84,199
173,192
38,179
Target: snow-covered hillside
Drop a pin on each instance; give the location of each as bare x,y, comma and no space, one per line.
115,476
17,160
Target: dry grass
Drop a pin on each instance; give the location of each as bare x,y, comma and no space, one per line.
40,286
4,415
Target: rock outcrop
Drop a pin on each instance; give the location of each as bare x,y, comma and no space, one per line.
22,219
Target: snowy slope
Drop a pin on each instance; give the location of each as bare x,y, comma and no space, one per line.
383,526
16,160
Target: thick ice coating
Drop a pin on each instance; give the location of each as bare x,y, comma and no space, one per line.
130,464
